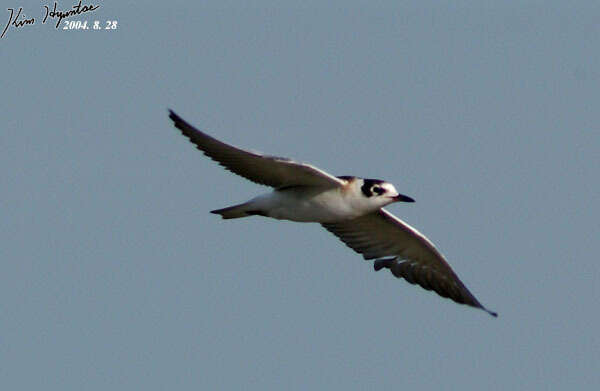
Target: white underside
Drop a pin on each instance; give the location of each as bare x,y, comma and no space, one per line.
308,205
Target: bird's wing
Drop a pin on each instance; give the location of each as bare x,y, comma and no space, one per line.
272,171
406,252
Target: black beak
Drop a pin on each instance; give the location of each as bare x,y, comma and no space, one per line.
403,198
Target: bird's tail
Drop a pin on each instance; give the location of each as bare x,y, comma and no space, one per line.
237,211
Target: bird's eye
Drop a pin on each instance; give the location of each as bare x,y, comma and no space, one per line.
378,190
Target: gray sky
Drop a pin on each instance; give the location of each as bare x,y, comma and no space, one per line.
115,276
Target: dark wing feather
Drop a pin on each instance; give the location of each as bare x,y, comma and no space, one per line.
409,254
266,170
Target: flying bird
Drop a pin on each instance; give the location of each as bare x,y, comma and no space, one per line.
349,207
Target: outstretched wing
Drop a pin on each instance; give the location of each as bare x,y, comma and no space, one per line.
272,171
406,252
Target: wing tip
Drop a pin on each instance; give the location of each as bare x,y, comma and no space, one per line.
186,129
389,263
173,116
493,313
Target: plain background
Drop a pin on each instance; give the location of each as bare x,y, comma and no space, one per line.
115,276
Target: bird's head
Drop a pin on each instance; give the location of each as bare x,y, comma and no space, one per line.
374,193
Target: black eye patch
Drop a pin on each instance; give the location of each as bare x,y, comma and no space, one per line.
368,186
378,190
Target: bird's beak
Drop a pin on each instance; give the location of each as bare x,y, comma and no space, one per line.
402,198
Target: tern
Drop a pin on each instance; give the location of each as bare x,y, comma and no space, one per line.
349,207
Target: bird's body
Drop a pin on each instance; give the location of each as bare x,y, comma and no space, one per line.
311,204
349,207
